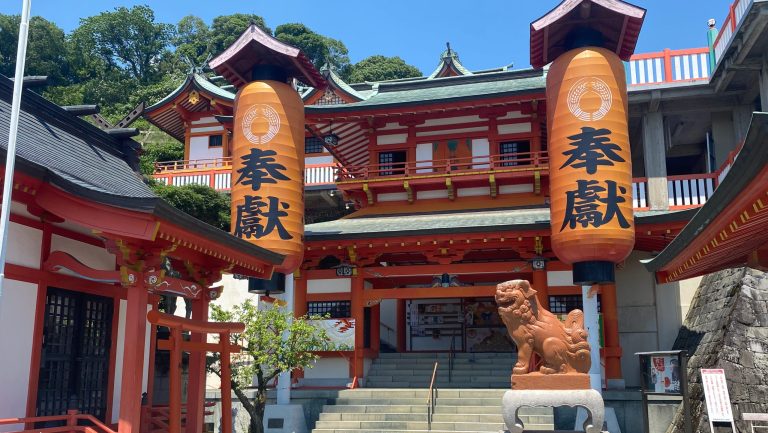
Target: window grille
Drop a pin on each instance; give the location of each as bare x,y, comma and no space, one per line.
335,309
563,304
313,145
513,151
215,141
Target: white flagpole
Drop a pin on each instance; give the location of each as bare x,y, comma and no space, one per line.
10,158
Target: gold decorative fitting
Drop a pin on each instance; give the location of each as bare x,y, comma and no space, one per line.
193,97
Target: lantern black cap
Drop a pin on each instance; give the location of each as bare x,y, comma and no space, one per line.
593,272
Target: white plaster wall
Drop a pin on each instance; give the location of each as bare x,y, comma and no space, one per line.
480,152
687,291
452,120
515,128
516,189
17,320
330,285
119,351
198,149
325,159
513,115
452,131
392,196
474,192
208,129
559,278
204,120
90,255
147,339
235,292
24,245
668,314
388,317
429,194
424,157
328,368
391,139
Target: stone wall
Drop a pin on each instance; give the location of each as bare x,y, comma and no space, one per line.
727,327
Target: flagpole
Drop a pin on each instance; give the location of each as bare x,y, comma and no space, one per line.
10,157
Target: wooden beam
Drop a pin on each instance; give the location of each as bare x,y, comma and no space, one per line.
198,346
429,292
454,269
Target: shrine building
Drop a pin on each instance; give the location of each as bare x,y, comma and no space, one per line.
426,192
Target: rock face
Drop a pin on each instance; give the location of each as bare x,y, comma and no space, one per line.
727,327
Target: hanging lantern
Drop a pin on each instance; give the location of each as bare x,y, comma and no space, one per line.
590,163
268,169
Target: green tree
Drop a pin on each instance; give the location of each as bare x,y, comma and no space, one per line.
265,352
225,29
160,152
318,48
200,201
127,39
380,68
193,39
46,50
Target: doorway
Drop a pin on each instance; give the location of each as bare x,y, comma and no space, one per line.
74,366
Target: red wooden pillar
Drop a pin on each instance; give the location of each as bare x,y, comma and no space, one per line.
612,350
174,376
137,298
541,286
196,385
226,385
376,327
401,325
358,314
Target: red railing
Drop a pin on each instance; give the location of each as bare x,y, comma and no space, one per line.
192,164
668,66
154,419
72,419
736,13
524,161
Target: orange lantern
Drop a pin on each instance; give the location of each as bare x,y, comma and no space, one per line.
590,163
268,169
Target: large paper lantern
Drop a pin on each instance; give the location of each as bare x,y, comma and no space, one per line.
268,169
590,163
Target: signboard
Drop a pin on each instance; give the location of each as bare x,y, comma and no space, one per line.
716,395
344,270
665,374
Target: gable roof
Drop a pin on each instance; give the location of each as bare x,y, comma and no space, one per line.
256,47
449,65
617,22
170,120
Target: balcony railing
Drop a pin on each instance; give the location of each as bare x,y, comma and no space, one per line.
736,14
668,66
217,173
509,162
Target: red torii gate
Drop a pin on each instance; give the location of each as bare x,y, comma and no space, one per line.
176,345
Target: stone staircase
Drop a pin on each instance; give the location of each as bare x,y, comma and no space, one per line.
396,394
414,370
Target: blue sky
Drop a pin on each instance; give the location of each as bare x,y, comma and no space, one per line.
485,33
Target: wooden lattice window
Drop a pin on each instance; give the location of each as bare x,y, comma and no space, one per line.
333,309
563,304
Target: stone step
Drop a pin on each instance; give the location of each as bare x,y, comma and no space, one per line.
439,410
411,425
438,417
528,427
410,392
422,401
479,376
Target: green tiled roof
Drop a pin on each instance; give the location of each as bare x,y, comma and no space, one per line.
199,81
454,222
444,89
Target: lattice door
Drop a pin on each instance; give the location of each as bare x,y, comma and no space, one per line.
74,368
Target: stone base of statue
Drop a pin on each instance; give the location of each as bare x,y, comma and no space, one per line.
589,399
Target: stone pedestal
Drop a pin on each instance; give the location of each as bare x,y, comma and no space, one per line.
284,418
589,399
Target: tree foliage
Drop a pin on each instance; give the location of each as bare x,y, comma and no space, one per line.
46,50
319,49
380,68
265,352
200,201
225,29
128,40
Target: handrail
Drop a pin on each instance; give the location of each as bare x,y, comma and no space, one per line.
479,163
72,417
451,355
187,164
431,397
